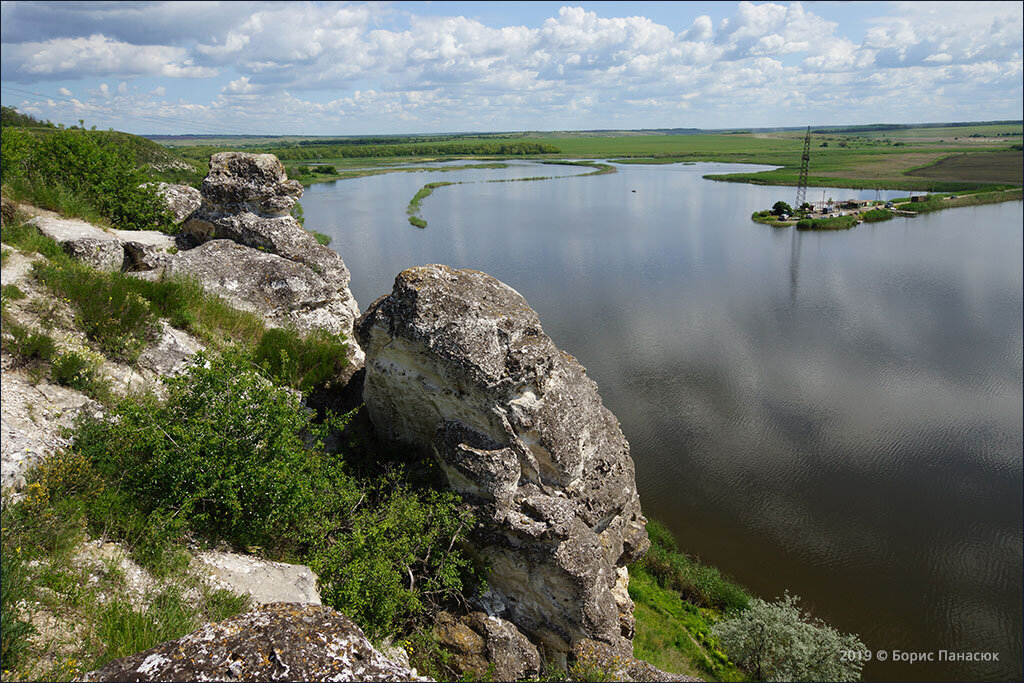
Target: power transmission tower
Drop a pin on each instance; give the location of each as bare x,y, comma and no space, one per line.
805,162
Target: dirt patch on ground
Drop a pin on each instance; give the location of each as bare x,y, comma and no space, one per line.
992,167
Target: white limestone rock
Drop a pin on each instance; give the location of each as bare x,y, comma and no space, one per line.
264,580
457,362
83,241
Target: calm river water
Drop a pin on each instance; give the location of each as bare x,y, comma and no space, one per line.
834,414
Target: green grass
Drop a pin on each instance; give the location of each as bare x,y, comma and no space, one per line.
12,292
837,223
321,237
55,197
42,537
303,362
674,635
677,600
108,307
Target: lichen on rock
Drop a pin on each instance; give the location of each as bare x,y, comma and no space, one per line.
276,642
457,363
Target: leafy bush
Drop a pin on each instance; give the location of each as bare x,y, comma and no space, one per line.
395,556
228,454
101,172
226,451
779,642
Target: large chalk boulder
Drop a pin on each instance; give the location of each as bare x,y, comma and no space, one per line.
277,642
457,362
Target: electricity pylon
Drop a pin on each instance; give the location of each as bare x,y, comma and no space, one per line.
805,162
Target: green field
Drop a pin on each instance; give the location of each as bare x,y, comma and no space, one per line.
930,158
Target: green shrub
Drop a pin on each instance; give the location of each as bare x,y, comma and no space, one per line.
394,556
321,237
305,363
100,171
230,455
225,451
876,215
779,642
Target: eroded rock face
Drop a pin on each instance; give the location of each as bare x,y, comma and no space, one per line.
482,645
146,249
256,183
277,642
283,292
246,199
592,656
457,362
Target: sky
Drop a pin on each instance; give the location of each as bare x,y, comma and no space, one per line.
337,68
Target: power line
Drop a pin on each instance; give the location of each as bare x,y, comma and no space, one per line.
149,118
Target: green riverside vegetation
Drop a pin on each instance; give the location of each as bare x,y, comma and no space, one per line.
414,204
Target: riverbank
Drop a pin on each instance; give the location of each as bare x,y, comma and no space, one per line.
878,211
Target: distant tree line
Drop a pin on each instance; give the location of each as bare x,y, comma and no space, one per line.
341,151
9,116
904,126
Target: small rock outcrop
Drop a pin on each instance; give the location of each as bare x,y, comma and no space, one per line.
276,642
180,200
83,241
284,273
146,249
457,362
283,292
265,581
482,645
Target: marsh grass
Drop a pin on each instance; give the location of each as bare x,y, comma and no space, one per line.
413,210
